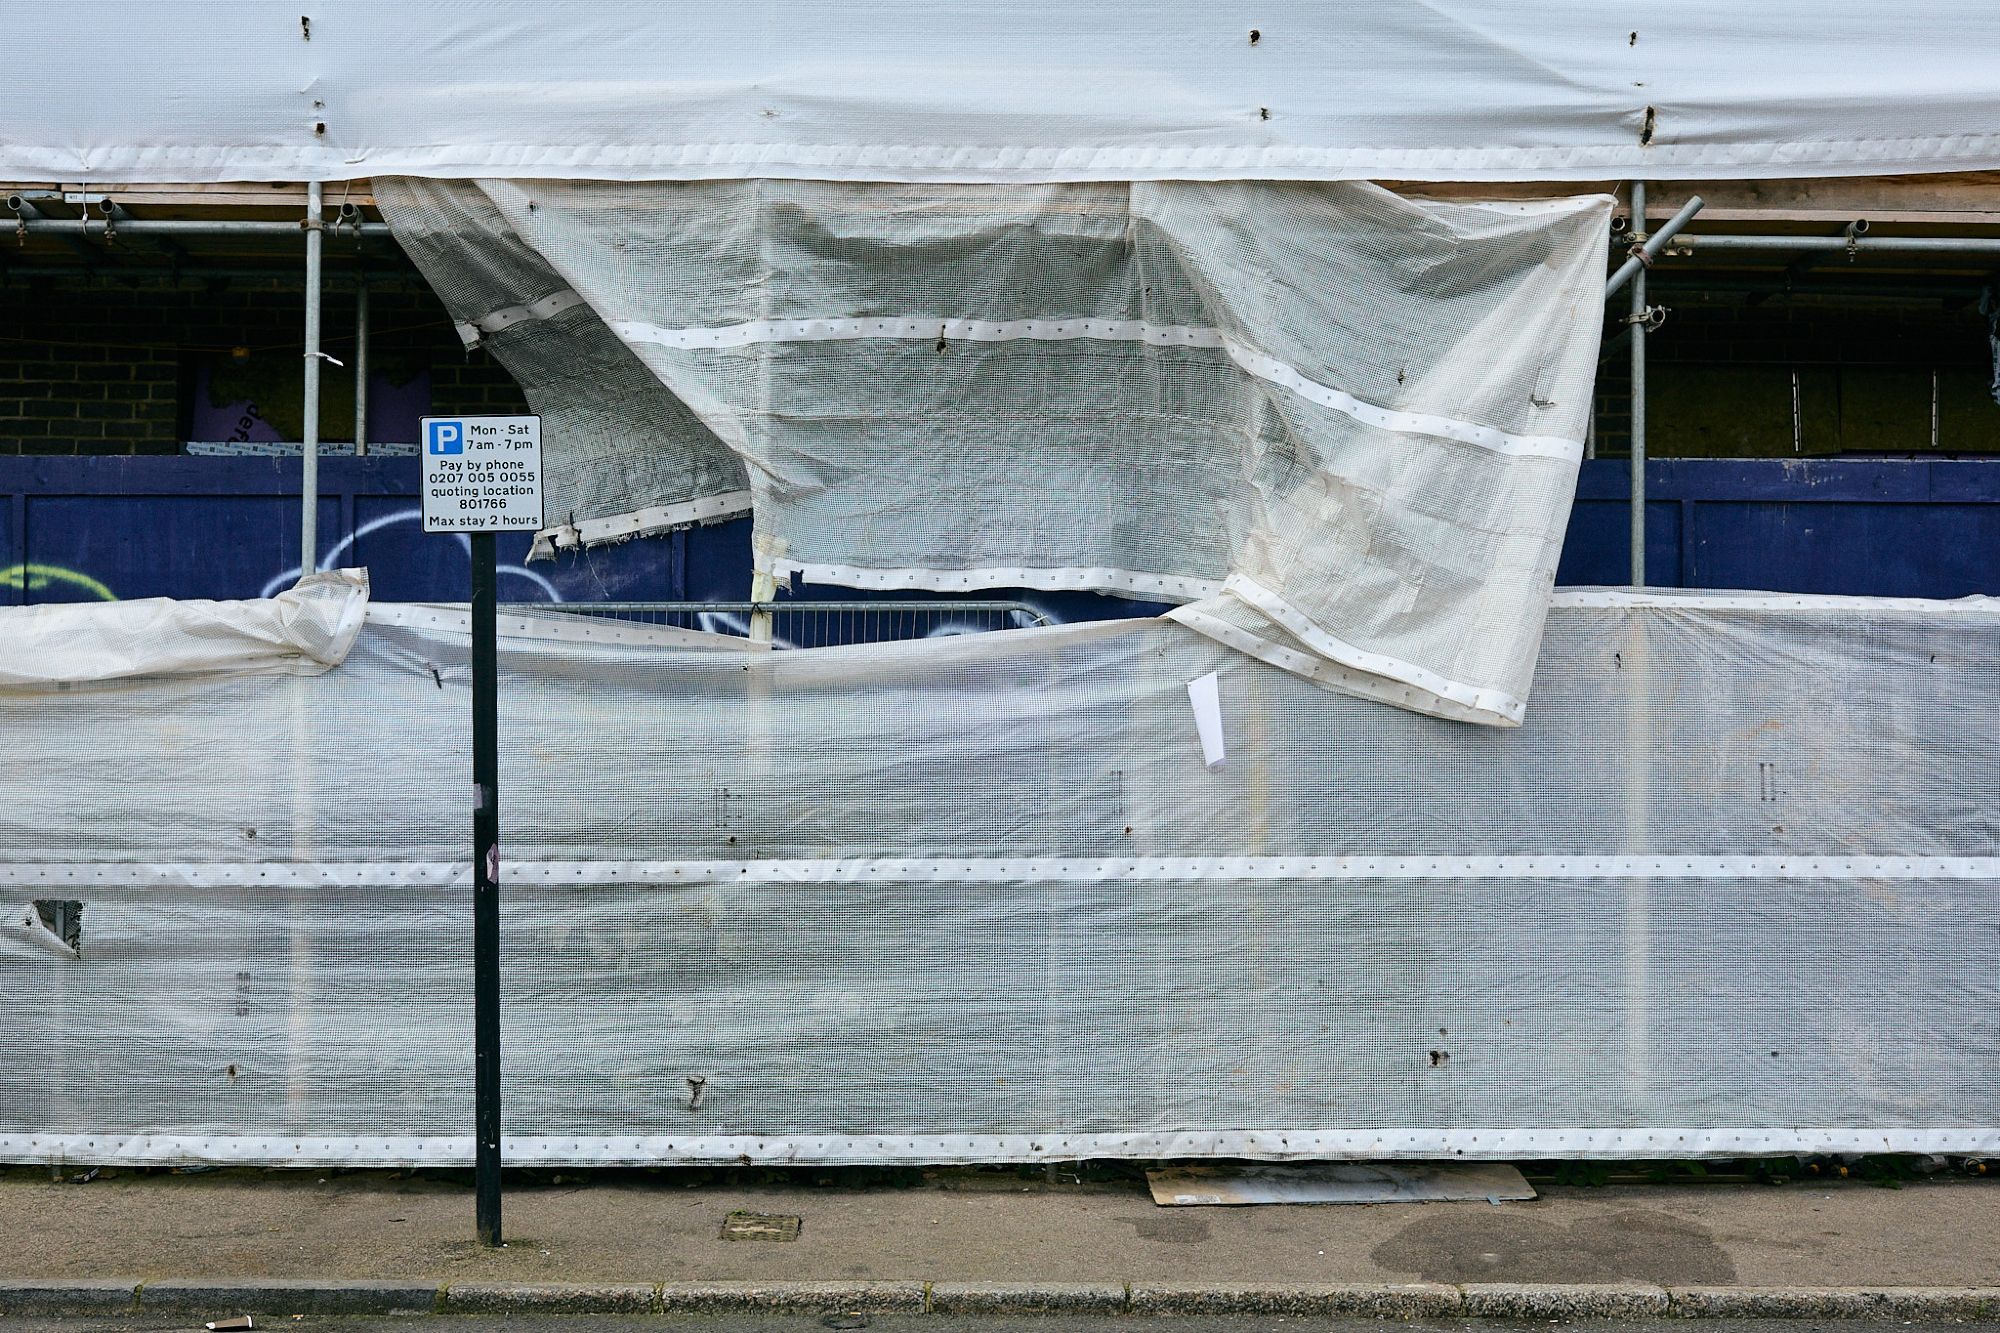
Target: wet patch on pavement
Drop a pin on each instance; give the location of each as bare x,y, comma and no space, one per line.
1440,1244
1169,1228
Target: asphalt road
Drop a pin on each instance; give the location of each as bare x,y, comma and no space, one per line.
939,1323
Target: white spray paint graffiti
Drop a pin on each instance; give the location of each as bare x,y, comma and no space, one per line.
286,578
713,622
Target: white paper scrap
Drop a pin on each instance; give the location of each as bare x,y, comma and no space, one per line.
1202,693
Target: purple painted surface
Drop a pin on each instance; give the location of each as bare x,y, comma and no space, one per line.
233,422
393,413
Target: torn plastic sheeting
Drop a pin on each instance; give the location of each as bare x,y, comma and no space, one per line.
622,455
25,925
304,631
1357,415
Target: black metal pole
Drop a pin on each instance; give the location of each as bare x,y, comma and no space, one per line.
485,891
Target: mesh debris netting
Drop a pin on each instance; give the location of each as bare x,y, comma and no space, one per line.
304,631
1017,92
1345,422
1733,890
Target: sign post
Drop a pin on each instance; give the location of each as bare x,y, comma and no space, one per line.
483,475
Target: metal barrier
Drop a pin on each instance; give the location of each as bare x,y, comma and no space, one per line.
811,624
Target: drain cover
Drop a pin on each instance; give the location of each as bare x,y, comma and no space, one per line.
759,1226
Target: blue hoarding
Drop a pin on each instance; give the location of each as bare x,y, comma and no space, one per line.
74,529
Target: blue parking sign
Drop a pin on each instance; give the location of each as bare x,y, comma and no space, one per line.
444,437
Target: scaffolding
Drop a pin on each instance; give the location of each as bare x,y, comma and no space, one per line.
104,221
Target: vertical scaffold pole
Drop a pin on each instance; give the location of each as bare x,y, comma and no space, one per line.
1638,501
361,364
309,441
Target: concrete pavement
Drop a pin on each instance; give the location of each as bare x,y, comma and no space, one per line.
779,1322
953,1239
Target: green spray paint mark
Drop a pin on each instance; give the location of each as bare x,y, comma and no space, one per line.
34,578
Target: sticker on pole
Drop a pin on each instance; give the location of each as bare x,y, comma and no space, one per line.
482,474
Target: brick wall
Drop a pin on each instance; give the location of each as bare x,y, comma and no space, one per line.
111,364
1719,377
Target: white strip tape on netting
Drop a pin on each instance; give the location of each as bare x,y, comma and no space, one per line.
1060,578
559,626
591,1149
1367,684
1006,870
932,328
506,317
1696,599
1469,697
645,522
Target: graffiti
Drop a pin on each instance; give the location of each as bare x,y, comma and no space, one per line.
68,584
110,528
219,543
250,418
38,578
797,625
285,578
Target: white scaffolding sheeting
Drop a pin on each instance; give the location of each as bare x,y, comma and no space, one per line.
304,631
1733,890
972,90
1347,423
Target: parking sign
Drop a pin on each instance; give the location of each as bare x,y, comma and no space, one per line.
482,474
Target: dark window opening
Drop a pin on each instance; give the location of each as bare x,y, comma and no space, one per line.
63,918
